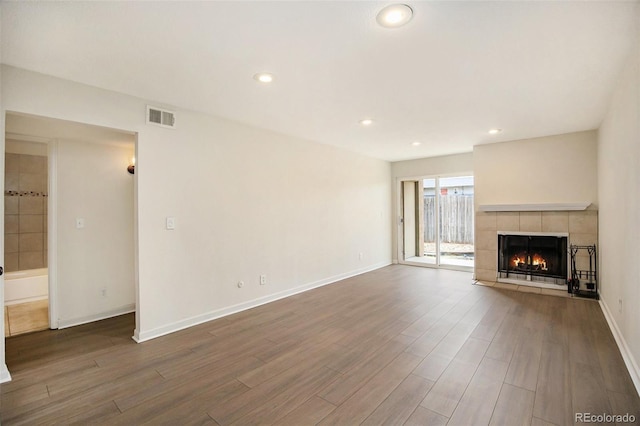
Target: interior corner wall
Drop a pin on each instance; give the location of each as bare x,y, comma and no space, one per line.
619,192
92,183
246,202
446,165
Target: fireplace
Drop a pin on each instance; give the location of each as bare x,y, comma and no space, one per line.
532,257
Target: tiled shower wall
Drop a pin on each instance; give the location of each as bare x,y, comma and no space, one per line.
25,219
582,227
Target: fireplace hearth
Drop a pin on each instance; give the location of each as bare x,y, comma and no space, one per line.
533,257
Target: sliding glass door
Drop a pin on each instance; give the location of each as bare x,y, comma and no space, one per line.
437,219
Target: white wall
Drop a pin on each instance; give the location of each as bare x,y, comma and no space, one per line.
619,192
249,202
552,169
92,183
246,202
448,165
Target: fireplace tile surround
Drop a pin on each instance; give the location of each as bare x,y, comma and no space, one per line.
582,227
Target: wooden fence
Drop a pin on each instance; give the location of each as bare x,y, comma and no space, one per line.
456,219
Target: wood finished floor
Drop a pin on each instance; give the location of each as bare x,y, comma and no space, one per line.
400,345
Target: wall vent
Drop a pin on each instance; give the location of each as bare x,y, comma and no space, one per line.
161,117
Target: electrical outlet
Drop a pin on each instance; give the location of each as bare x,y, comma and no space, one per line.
263,279
79,222
620,306
171,223
360,256
103,292
240,284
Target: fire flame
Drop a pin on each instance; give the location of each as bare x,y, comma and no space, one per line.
536,260
539,261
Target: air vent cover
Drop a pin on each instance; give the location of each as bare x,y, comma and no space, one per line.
161,117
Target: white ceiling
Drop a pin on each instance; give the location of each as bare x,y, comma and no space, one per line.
455,71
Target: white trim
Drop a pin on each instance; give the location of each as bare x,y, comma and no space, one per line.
627,356
219,313
535,234
399,210
127,309
4,374
532,207
136,236
436,217
52,234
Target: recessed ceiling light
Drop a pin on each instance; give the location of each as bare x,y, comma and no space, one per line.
494,131
394,15
366,122
416,143
264,77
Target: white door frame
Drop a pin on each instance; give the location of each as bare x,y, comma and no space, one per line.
409,219
52,234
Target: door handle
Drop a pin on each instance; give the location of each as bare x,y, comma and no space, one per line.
1,270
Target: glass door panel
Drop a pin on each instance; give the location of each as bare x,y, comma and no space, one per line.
455,199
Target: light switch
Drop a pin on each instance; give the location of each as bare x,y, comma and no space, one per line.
171,223
79,222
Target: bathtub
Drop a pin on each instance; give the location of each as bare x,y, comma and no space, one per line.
26,286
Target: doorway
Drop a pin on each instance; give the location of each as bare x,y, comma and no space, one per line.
26,291
85,224
437,217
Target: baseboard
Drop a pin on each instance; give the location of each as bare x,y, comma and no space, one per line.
219,313
4,374
629,360
97,317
